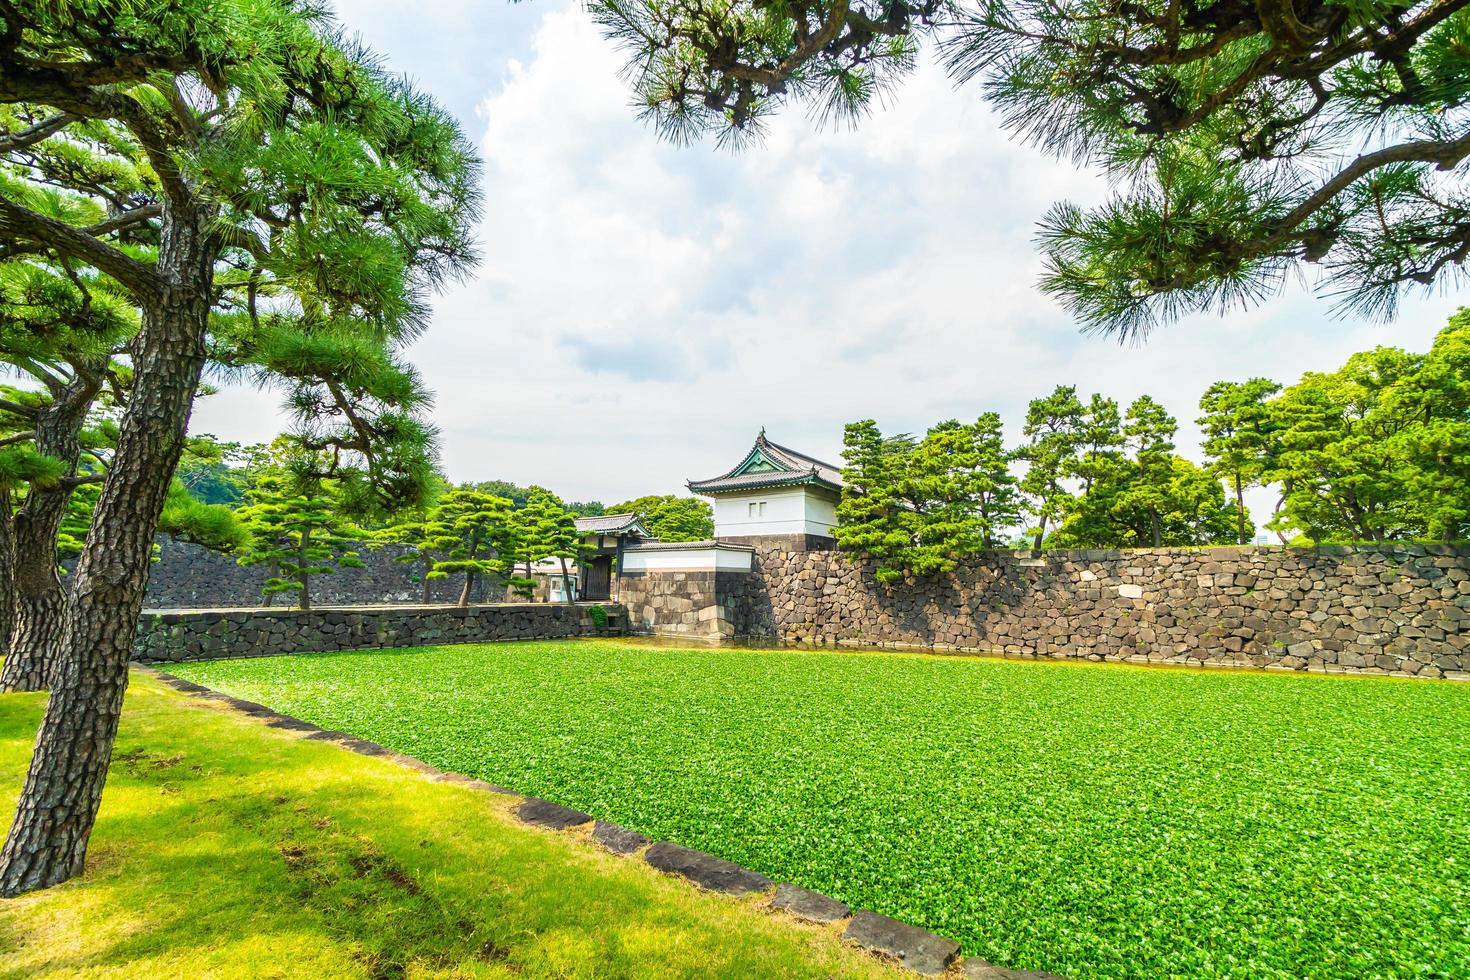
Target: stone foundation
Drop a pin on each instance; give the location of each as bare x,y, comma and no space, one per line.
211,634
703,605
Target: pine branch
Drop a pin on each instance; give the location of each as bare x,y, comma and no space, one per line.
17,222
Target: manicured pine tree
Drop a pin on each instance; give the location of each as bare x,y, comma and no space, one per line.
549,530
1238,430
426,540
228,109
292,526
487,541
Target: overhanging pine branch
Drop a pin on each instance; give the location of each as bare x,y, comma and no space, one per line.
17,222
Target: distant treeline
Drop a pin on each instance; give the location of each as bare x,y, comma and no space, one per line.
1378,450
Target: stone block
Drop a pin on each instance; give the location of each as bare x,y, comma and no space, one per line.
919,950
808,905
542,813
706,870
619,840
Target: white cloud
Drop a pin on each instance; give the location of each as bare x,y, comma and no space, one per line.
642,309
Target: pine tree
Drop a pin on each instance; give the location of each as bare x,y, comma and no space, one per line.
1260,141
293,526
426,540
1054,430
487,541
549,530
871,521
1239,435
265,195
1150,430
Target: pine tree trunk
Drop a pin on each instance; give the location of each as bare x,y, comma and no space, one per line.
39,600
47,843
566,579
428,595
7,569
304,576
1153,518
469,586
1240,509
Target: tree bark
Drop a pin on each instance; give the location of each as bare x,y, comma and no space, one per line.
47,843
428,594
304,577
566,579
1240,509
40,601
7,569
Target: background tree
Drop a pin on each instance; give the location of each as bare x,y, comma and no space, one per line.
1248,142
1239,435
671,518
292,525
487,540
426,540
549,530
871,521
1054,433
1369,452
1150,431
289,185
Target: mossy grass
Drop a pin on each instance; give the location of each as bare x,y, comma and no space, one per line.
1090,820
225,848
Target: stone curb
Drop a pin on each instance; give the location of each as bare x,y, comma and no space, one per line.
909,946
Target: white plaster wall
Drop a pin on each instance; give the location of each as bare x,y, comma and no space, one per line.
687,560
789,510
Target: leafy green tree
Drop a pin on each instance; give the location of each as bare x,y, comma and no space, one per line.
549,530
871,520
671,518
958,486
487,540
264,195
426,540
516,494
1239,436
293,525
1341,476
1150,430
1257,140
1054,432
1438,446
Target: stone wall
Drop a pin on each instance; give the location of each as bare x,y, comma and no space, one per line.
704,605
1399,609
187,576
210,634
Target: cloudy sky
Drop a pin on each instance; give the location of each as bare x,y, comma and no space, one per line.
642,310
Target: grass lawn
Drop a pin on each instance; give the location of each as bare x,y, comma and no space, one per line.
1091,820
228,849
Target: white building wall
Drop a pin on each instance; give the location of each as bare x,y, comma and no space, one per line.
695,559
780,510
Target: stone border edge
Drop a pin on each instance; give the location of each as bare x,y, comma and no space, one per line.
908,946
